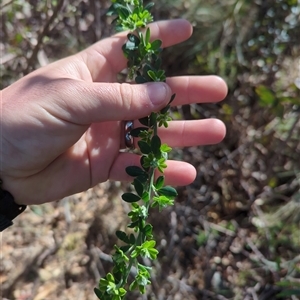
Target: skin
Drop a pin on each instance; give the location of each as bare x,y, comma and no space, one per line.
61,124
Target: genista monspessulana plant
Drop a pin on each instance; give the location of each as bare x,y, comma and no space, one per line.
144,65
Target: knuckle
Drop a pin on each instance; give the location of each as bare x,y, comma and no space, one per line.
126,95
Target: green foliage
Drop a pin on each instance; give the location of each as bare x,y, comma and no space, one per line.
144,66
288,288
131,15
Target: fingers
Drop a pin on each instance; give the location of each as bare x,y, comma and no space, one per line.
105,58
177,173
197,89
178,134
193,133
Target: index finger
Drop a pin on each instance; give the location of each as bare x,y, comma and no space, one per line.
197,89
105,58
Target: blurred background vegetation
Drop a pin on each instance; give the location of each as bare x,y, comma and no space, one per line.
235,232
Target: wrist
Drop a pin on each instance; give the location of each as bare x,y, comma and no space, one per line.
9,209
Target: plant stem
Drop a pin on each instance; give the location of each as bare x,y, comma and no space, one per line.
144,65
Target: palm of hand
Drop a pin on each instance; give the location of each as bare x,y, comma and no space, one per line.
59,150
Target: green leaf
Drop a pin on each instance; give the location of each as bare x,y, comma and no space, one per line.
143,178
112,10
168,191
144,268
149,244
142,289
147,36
172,98
152,119
161,75
149,6
146,68
155,146
144,147
136,131
122,292
148,231
110,277
133,286
139,187
165,148
157,63
132,239
159,182
135,253
129,197
125,248
162,201
165,109
147,249
121,235
119,256
135,171
133,224
140,79
161,164
144,121
98,293
144,163
123,12
152,75
146,197
289,292
155,45
267,96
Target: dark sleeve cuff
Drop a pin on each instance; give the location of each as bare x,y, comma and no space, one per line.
9,209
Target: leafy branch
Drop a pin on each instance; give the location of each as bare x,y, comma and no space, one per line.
144,65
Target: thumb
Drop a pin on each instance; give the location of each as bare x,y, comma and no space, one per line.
97,102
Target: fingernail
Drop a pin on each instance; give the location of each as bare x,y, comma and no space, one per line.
158,92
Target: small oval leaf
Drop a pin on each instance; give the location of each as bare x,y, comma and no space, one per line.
132,239
144,121
121,235
129,197
152,119
134,171
159,182
142,178
142,161
139,80
155,45
168,191
98,293
139,187
155,145
146,197
165,109
172,98
149,6
144,147
148,230
136,131
125,248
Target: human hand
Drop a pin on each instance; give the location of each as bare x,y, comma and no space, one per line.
61,124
